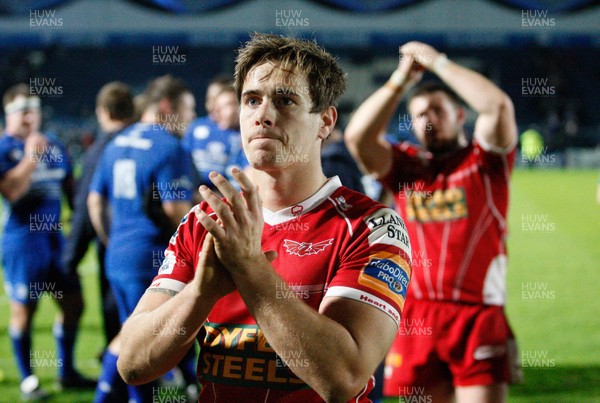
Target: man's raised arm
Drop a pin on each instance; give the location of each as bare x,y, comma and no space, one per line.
495,126
16,181
365,133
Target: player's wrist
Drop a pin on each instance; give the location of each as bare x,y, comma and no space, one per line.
204,295
397,81
440,63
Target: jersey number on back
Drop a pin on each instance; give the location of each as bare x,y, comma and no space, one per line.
124,179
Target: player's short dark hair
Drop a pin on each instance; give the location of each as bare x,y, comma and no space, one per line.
223,80
117,99
429,87
14,91
326,80
228,88
163,87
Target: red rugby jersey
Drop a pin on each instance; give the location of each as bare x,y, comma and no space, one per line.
338,242
455,209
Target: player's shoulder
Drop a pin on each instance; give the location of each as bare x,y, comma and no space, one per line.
201,127
158,138
7,141
360,207
193,216
10,149
53,138
203,120
378,222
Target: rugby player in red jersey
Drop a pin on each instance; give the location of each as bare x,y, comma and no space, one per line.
454,340
295,285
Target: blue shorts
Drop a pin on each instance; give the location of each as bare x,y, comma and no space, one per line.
33,269
128,292
130,270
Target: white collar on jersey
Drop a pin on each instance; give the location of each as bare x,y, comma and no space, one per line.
291,212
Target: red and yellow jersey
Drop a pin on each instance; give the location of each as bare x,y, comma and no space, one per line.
455,209
337,243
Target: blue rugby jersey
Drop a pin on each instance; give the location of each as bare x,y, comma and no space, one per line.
213,149
38,210
139,169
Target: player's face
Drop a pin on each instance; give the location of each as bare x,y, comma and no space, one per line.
211,94
227,111
437,121
278,129
23,122
186,112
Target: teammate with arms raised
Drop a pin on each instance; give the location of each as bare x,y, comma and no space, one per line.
455,339
311,321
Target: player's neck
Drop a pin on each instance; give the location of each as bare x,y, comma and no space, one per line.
281,189
113,126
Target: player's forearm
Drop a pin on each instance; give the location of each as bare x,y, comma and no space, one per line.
96,209
17,181
365,134
495,123
154,342
369,122
316,348
482,95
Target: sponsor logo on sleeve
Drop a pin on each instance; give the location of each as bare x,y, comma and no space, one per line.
388,274
386,227
168,263
344,206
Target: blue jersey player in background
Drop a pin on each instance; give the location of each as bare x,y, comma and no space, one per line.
139,194
35,171
214,141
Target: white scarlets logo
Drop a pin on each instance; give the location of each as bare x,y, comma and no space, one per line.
342,203
305,248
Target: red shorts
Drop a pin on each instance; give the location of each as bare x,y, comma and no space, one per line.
450,342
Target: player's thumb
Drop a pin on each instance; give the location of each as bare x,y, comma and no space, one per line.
270,255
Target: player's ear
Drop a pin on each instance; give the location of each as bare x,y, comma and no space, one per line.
328,119
461,115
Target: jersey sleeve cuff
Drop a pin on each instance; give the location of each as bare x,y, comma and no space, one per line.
167,284
367,298
495,149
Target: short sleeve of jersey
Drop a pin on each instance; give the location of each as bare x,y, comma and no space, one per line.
498,164
173,176
376,268
101,178
181,255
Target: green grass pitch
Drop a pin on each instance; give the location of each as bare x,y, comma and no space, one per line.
553,280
